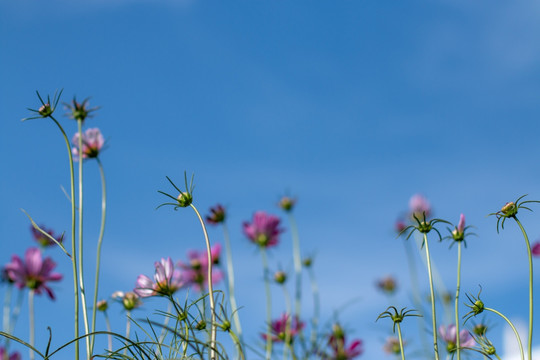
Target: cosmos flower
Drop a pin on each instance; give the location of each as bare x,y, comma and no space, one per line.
92,143
33,272
387,285
340,351
129,300
217,215
536,249
195,271
418,206
264,230
42,239
448,335
279,329
167,280
391,346
14,355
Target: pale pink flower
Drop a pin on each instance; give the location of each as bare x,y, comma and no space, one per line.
33,272
418,206
461,224
167,280
195,272
448,334
92,143
264,230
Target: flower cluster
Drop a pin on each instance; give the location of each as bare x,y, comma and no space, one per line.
195,271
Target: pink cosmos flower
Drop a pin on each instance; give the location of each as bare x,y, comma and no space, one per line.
418,205
92,142
264,230
195,272
217,215
448,335
33,272
279,329
461,224
342,352
167,280
14,355
536,249
42,239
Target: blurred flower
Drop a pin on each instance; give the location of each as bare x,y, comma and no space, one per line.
264,230
448,335
14,355
195,272
418,206
391,346
217,215
287,203
279,329
102,305
400,226
4,276
42,239
129,300
458,232
387,285
308,261
79,111
337,343
536,249
280,277
33,272
92,143
480,329
167,280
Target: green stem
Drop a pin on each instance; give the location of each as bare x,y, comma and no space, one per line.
81,276
99,243
458,350
108,325
236,340
16,311
165,323
297,265
128,328
513,328
210,286
316,308
529,347
288,345
7,309
73,237
268,304
32,322
432,293
230,282
400,342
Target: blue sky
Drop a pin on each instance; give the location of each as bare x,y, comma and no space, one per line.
351,106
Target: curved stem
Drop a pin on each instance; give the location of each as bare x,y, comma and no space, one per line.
99,243
316,308
73,237
432,293
210,286
230,282
513,328
529,345
400,342
32,322
297,266
236,340
458,350
268,304
81,276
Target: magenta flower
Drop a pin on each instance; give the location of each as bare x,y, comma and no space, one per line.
418,206
217,215
279,329
42,239
195,272
448,335
33,272
264,230
342,352
92,143
14,355
536,249
167,280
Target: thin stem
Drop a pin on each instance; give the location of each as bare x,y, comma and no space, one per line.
316,308
230,282
529,345
236,340
32,322
108,325
99,243
210,286
288,345
16,311
81,276
128,328
268,304
513,328
400,342
73,237
166,322
458,350
432,293
297,265
7,309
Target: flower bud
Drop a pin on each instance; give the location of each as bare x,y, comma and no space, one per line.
287,203
131,301
102,305
280,277
184,199
509,209
480,329
45,110
307,262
